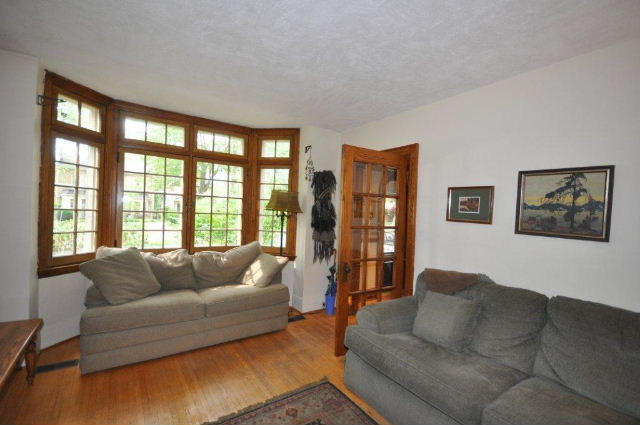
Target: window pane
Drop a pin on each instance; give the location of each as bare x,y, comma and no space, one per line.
221,143
85,242
174,167
283,148
271,179
86,221
389,212
132,239
88,155
75,197
134,128
157,207
132,221
66,150
132,201
88,177
156,132
205,140
237,146
62,244
215,211
175,135
67,110
268,148
90,117
63,221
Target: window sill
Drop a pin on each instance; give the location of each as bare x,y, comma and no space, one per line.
56,271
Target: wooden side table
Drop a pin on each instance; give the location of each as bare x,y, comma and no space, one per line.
18,339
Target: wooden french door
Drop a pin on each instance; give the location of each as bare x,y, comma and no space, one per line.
372,232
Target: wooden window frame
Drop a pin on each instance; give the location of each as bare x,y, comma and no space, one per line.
113,145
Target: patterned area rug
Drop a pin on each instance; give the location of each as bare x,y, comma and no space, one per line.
316,404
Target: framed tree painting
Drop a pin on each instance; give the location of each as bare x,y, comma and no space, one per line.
470,204
570,203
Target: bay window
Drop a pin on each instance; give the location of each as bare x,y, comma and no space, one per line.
120,174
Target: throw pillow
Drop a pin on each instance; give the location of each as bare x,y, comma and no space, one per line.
214,268
94,298
121,277
446,320
262,270
173,269
105,251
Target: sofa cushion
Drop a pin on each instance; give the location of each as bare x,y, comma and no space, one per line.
509,325
538,401
593,349
226,299
162,308
121,277
174,269
93,298
263,269
445,320
460,385
216,268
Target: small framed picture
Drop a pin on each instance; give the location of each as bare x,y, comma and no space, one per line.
470,204
573,203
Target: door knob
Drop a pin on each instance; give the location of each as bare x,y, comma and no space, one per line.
346,268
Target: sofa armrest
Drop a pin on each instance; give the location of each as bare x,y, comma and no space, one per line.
389,316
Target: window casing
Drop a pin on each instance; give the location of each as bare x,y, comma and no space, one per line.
160,180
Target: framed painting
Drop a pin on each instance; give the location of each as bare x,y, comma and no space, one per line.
470,204
572,203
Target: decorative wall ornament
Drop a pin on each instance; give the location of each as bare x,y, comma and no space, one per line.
309,169
572,203
470,204
323,215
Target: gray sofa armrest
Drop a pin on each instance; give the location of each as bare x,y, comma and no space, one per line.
389,316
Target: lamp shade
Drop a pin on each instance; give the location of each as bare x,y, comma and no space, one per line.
284,201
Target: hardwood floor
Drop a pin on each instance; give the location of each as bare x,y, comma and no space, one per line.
187,388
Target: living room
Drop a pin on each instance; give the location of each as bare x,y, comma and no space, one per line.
483,96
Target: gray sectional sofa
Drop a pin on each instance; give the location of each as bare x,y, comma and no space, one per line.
176,320
529,360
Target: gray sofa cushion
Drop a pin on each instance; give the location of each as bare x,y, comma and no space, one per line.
162,308
445,320
226,299
93,298
174,269
262,270
538,401
509,325
389,317
121,277
593,349
460,385
216,268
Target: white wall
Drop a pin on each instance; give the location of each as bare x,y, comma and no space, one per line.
326,153
19,149
580,112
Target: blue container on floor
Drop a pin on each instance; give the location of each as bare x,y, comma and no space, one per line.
330,304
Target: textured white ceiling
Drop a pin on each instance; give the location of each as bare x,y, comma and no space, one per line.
331,63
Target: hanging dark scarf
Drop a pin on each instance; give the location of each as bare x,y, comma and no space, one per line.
323,215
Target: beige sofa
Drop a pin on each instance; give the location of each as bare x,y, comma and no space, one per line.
174,321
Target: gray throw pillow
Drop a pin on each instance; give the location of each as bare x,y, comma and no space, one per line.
215,268
94,298
174,270
121,277
262,270
446,320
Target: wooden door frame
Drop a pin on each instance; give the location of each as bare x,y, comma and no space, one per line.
410,152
